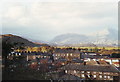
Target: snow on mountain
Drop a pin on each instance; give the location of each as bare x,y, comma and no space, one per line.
101,38
107,36
70,38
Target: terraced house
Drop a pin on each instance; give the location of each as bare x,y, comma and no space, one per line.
92,70
67,54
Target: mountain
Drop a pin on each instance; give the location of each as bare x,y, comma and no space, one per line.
106,37
69,38
72,39
17,39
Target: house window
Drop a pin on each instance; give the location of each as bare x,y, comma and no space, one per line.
94,72
44,56
56,58
83,75
9,54
74,71
16,54
34,57
33,63
65,71
94,76
100,72
88,72
108,77
105,76
58,54
19,54
82,71
67,54
100,76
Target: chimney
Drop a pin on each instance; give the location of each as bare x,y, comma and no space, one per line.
84,63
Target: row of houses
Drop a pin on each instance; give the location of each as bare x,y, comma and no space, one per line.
67,55
95,71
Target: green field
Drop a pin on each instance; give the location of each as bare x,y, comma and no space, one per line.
107,48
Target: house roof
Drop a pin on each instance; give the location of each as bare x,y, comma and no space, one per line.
66,51
70,77
100,62
96,68
38,53
91,62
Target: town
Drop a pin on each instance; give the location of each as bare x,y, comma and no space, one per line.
60,41
65,63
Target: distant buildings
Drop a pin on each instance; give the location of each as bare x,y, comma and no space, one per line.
113,61
97,71
67,54
73,64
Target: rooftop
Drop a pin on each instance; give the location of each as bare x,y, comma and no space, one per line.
70,77
96,68
66,51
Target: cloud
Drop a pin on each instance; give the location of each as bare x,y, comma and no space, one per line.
56,18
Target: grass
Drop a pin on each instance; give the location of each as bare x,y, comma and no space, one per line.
107,48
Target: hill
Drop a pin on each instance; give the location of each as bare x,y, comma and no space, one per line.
17,39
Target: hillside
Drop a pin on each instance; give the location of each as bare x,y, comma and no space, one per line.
17,39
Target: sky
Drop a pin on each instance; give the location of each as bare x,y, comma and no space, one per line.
43,20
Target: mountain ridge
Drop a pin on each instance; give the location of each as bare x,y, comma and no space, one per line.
106,37
10,38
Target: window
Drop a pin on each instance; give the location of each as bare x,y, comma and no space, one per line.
94,72
65,71
108,77
45,56
100,76
83,75
105,76
9,54
74,71
58,54
34,57
88,72
39,63
56,58
100,72
94,76
33,63
82,71
16,54
19,54
67,54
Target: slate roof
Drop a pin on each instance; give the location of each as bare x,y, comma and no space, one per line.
66,51
70,77
96,68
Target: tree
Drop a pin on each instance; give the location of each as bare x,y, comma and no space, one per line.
115,55
96,49
6,49
103,48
